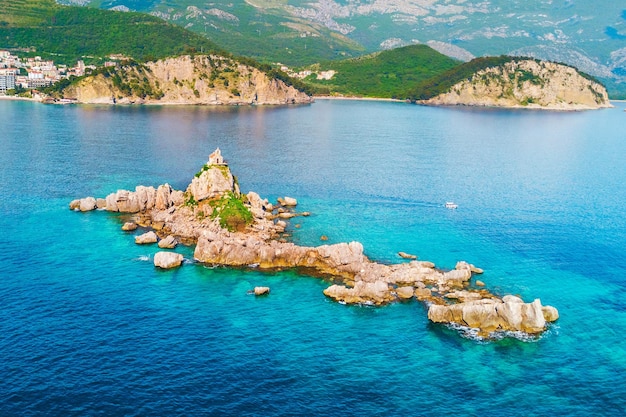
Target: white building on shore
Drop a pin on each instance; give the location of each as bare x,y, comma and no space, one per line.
7,79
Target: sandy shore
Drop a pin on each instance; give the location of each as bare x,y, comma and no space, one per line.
18,98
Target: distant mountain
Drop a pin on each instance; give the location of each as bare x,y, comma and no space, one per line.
586,34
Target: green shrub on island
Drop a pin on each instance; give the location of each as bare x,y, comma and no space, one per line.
231,211
189,199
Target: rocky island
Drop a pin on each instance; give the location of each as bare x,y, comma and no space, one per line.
244,230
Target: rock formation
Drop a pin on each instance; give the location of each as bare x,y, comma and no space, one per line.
510,313
201,79
129,226
168,242
233,229
167,260
526,83
146,238
261,291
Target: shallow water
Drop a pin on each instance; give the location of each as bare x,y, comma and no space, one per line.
89,327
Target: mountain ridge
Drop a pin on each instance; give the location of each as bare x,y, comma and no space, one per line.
539,28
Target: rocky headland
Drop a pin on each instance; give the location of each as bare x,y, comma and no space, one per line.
244,230
526,83
198,79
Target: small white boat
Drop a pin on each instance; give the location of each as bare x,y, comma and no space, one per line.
451,205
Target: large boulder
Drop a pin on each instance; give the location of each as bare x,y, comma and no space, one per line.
167,260
127,202
111,202
423,293
146,197
261,290
405,292
168,243
288,201
87,204
550,313
342,253
490,315
460,274
129,226
146,238
162,198
362,293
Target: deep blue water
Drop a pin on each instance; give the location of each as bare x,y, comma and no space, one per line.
89,327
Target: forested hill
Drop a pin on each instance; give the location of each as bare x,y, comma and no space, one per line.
75,32
387,74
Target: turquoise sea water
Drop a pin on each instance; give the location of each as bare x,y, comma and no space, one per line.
89,327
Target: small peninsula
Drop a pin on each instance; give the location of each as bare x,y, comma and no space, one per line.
522,83
187,79
230,228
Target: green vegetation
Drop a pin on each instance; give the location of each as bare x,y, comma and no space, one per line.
130,80
388,74
190,201
223,169
204,168
443,82
232,213
67,34
71,33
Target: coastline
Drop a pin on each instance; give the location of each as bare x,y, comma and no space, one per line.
358,98
562,109
19,98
